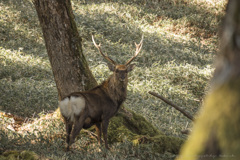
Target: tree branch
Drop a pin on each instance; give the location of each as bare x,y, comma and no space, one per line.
188,115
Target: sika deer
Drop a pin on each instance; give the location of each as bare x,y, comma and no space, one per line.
98,105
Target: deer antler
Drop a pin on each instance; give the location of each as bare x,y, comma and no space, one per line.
138,49
100,51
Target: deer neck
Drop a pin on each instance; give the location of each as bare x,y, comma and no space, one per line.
117,90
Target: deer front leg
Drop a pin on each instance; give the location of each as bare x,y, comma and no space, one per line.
105,127
99,132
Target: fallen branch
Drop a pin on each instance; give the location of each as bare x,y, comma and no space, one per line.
175,106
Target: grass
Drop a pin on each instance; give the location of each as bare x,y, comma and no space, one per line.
180,43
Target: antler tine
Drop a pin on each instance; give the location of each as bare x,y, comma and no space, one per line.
138,49
100,51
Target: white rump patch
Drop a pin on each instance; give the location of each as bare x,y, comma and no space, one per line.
64,107
72,106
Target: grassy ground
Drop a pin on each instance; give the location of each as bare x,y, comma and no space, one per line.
180,42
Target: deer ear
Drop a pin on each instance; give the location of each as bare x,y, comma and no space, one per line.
111,67
130,67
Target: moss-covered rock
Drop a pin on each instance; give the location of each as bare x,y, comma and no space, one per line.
138,130
162,143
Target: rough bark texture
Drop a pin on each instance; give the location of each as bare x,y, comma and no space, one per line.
216,131
63,43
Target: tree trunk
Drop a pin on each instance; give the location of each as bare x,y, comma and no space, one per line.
63,43
216,133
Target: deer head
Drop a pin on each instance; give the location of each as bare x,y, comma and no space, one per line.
120,70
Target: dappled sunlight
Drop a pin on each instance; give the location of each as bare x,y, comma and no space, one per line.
10,56
117,32
26,82
48,132
19,28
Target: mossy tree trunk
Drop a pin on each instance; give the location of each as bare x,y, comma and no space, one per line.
216,133
63,43
71,74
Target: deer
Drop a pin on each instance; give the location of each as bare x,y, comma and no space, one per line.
98,105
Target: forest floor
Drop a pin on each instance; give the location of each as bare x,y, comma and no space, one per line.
176,61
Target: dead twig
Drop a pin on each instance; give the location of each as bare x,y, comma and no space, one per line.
188,115
91,133
186,131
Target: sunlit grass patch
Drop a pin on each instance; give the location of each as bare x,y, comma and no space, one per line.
46,136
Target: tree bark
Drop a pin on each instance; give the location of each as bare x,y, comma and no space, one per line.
216,132
63,43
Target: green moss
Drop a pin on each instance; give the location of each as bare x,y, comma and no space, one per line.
160,143
11,154
166,143
14,155
127,127
118,130
138,130
3,158
28,155
140,125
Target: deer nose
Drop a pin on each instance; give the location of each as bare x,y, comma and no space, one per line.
122,78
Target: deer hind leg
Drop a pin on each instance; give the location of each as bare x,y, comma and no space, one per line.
99,132
69,125
105,127
78,125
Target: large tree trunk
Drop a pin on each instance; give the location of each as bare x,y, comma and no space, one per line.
63,43
216,133
71,72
